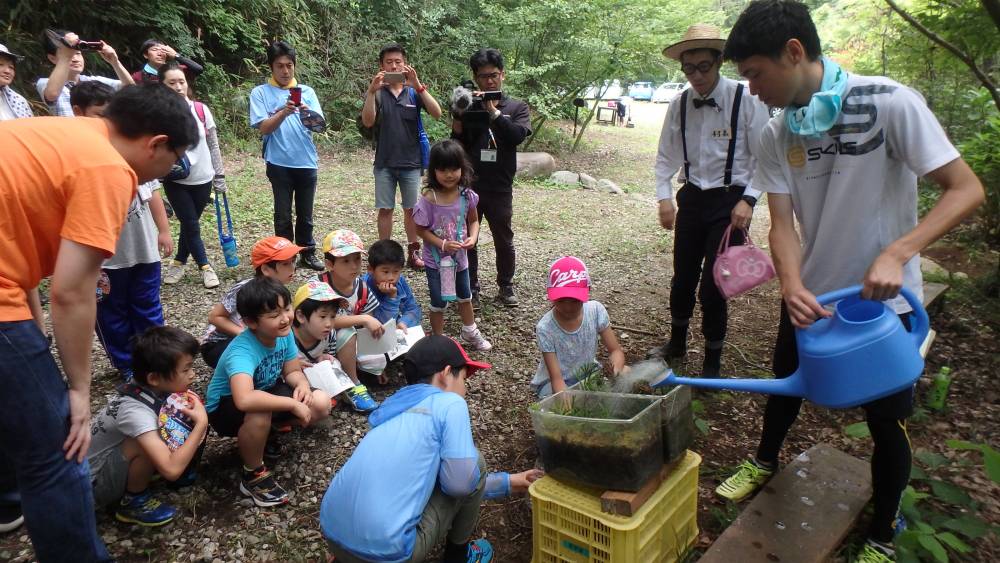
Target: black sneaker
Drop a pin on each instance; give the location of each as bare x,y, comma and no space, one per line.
311,262
11,517
260,486
507,297
476,305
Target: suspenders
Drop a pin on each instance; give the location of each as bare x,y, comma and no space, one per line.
734,122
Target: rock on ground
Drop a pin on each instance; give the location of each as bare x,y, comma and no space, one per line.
565,177
535,164
609,186
588,181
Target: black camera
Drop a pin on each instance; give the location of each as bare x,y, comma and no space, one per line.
465,99
80,45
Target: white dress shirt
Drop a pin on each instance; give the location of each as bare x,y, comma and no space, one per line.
708,137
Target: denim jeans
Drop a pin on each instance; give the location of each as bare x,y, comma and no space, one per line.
462,289
132,306
298,184
386,180
189,202
56,494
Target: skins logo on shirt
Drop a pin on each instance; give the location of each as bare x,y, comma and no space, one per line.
849,148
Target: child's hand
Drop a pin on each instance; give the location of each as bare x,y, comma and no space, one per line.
452,246
373,326
387,288
519,482
304,363
558,385
469,243
401,326
302,412
326,358
303,394
196,412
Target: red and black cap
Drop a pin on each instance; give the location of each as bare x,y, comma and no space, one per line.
431,354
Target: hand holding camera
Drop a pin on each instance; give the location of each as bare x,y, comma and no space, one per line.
377,82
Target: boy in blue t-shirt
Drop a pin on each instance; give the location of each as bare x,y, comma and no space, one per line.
259,381
417,465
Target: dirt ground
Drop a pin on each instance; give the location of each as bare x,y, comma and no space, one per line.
629,258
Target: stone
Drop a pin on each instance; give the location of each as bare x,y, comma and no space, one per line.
565,177
588,181
961,276
930,267
535,165
609,186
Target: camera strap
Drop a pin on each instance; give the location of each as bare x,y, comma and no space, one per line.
492,144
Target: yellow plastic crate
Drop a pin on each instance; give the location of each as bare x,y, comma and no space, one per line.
569,527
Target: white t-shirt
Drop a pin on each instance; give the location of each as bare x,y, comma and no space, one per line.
137,240
854,190
572,349
200,157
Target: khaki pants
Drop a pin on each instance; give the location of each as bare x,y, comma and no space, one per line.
444,517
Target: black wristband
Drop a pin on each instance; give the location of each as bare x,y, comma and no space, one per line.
751,200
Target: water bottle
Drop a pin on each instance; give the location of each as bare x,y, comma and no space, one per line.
447,269
230,251
939,389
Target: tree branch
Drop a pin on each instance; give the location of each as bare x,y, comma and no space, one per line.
958,53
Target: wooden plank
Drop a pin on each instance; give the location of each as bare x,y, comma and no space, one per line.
802,515
624,503
933,290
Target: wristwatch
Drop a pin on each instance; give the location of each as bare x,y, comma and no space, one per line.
751,200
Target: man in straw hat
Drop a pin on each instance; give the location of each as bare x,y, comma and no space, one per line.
841,165
708,138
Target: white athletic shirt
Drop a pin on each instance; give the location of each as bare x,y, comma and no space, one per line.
854,190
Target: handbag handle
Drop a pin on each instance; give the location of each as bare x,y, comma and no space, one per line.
724,243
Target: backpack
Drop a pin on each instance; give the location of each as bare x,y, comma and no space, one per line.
182,168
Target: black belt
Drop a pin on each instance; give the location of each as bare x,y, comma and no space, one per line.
729,189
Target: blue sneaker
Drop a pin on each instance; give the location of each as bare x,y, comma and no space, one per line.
144,510
360,399
480,551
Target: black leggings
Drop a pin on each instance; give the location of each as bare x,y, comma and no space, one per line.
886,417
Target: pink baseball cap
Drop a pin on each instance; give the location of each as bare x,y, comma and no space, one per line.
568,277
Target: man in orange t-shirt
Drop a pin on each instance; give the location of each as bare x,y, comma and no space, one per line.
65,188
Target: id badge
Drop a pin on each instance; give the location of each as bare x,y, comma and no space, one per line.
488,155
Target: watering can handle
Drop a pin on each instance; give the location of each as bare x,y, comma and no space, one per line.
921,323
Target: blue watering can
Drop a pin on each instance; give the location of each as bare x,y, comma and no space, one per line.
862,353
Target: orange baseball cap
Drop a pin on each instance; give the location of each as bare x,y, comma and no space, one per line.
273,249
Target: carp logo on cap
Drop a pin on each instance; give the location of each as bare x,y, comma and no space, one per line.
568,277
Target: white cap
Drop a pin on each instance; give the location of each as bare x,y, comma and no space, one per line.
5,51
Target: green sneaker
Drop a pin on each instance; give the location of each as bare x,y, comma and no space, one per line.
748,478
875,553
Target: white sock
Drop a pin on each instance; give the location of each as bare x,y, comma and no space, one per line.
469,329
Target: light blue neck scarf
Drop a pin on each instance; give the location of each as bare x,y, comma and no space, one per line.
149,69
823,110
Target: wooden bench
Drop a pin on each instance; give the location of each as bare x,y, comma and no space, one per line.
802,514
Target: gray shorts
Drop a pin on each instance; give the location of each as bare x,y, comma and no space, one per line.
110,476
386,180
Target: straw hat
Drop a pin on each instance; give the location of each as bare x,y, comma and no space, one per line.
698,36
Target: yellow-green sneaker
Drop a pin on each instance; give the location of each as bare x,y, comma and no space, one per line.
872,553
748,478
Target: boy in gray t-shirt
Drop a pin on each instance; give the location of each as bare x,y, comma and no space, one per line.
842,160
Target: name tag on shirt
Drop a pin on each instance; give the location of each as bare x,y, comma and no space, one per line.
488,155
722,133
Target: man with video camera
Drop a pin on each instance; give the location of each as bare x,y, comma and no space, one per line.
490,125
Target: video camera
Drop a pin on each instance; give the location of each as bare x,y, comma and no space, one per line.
467,104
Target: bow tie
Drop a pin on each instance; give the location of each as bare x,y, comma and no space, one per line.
698,103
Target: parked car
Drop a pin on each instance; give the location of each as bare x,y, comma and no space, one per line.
641,91
665,92
610,90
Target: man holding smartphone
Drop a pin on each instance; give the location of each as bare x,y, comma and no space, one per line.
491,142
279,110
392,111
69,63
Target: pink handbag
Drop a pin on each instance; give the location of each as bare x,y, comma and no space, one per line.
740,268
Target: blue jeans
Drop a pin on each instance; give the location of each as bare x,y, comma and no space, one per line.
56,494
462,289
132,306
189,202
298,184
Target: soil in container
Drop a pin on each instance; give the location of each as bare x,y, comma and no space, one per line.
616,468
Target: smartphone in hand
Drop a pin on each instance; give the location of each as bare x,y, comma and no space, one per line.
296,95
393,78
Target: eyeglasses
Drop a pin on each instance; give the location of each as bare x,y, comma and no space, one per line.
489,76
703,67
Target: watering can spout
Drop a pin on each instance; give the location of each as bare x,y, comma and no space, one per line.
792,385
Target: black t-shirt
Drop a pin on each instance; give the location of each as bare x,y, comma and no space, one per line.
398,130
509,130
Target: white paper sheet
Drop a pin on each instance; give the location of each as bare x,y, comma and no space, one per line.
328,377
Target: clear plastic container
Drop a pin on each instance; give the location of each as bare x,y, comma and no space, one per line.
605,440
677,421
